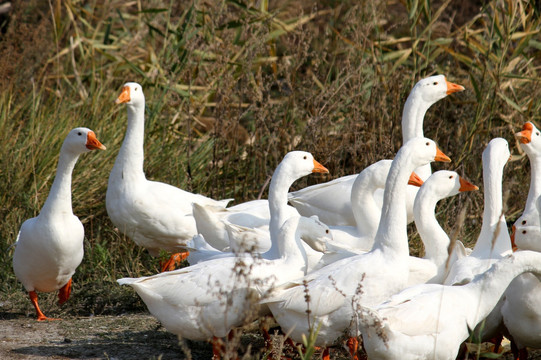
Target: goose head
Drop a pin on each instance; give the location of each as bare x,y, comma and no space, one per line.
423,151
434,88
496,154
81,140
131,94
445,183
301,163
530,139
314,233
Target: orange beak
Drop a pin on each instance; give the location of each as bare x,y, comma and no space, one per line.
525,136
465,185
513,245
93,143
440,156
452,87
415,180
318,168
124,96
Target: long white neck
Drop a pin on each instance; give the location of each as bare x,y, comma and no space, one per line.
435,239
494,238
278,189
413,116
391,235
491,285
59,199
535,185
129,162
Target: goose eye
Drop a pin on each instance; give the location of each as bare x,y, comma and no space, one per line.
79,133
427,143
304,157
135,89
327,231
435,83
451,176
523,222
524,231
537,133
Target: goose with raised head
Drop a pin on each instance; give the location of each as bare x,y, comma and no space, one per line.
521,309
377,274
50,246
211,297
433,266
330,201
430,321
494,241
259,241
526,229
153,214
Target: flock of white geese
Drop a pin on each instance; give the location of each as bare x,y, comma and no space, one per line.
331,258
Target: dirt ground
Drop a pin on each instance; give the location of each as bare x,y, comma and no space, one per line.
132,336
123,337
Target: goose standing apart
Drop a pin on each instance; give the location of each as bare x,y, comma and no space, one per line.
49,247
208,299
433,267
521,309
430,321
154,215
330,201
369,278
526,230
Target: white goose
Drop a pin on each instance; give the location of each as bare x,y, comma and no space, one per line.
153,214
378,274
493,242
330,201
49,247
526,229
433,267
430,321
208,299
521,309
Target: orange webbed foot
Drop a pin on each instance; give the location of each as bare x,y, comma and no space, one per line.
64,293
34,299
174,260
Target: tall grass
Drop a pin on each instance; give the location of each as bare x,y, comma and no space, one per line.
232,85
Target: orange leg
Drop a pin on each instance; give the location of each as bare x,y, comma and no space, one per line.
34,299
217,348
353,346
64,293
174,260
326,354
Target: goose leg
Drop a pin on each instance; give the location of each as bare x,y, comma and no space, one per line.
34,299
174,260
353,346
64,293
217,348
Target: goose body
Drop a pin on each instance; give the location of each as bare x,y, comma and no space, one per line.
154,215
372,276
49,247
430,321
331,201
211,297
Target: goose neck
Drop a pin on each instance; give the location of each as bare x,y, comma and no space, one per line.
130,158
434,238
392,230
413,117
535,184
365,209
59,199
289,242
